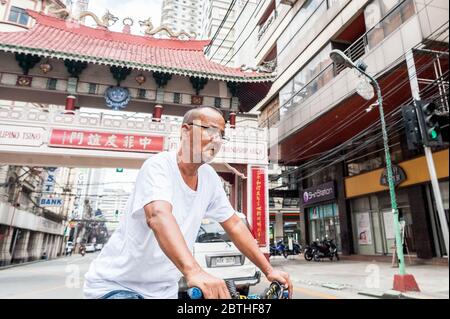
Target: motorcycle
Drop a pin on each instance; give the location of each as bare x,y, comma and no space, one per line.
325,249
296,249
308,252
278,250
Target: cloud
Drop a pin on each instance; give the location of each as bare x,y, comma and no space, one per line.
134,9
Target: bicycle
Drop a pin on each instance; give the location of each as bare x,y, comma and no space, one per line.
275,291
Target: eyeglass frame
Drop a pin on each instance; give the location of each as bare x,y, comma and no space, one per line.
222,137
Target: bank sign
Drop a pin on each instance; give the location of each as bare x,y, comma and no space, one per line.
319,193
51,202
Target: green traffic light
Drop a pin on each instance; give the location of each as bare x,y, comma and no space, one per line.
434,134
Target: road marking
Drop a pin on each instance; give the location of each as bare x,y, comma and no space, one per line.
314,293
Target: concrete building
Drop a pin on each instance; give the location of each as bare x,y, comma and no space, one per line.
182,15
215,15
34,205
77,6
332,135
28,227
13,16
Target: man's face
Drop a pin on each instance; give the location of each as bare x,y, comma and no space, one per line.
204,137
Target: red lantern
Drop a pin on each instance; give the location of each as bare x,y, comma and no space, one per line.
70,104
157,112
233,120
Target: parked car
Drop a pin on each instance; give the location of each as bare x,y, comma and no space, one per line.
218,256
90,248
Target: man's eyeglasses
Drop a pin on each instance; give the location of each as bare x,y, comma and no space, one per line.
212,131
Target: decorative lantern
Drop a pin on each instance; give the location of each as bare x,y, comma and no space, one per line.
70,104
233,120
157,112
140,79
45,67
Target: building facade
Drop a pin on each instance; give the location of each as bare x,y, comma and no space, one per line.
331,134
219,17
182,15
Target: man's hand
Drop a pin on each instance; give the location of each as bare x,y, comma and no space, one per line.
211,287
282,278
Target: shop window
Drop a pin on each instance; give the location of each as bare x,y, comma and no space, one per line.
18,15
324,223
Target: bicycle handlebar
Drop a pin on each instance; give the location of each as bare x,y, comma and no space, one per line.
275,291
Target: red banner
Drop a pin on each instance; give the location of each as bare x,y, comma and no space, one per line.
259,205
106,141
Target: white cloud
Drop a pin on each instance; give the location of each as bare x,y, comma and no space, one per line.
134,9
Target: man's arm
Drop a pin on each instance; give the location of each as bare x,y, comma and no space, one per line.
244,241
160,219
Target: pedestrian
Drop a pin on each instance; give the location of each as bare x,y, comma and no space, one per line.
152,247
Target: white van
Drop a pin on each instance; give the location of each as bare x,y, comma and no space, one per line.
218,256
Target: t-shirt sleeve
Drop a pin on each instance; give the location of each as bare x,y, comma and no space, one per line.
154,182
220,208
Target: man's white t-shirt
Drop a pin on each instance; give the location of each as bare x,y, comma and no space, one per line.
132,258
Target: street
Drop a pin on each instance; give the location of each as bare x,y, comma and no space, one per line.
63,278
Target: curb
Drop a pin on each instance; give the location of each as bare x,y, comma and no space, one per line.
393,294
29,263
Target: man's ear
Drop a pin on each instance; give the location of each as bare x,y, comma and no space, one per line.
184,129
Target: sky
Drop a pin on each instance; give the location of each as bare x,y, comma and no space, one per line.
134,9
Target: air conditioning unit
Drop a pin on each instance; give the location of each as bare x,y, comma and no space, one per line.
288,2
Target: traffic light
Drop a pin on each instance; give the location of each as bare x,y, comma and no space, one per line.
429,121
412,127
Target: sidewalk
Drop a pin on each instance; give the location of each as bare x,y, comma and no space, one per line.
352,279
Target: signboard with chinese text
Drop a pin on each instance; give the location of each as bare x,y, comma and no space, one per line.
106,141
259,201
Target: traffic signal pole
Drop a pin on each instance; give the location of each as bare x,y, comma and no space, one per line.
428,154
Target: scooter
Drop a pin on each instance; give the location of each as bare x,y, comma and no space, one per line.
296,249
326,249
279,249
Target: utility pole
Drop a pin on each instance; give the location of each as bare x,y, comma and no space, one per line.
415,91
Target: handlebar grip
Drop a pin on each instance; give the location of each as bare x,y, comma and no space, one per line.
195,293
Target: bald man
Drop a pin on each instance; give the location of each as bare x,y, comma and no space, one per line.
152,248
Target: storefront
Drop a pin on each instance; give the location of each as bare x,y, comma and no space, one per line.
371,214
322,213
284,225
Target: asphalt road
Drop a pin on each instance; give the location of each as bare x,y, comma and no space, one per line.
63,278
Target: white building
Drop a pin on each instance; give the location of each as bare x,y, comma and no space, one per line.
77,6
13,16
182,15
220,14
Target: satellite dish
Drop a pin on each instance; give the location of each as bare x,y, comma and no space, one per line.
365,89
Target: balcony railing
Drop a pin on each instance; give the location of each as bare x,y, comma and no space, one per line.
363,45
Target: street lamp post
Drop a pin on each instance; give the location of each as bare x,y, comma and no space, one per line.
402,282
